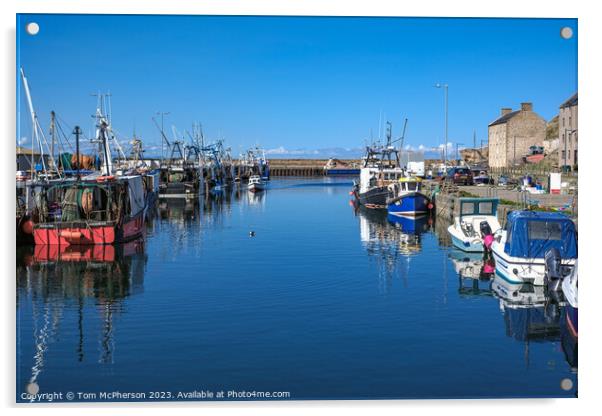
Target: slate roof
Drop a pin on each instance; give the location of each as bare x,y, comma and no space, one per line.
570,102
504,119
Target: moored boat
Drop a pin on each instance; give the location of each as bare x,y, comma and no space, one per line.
569,289
101,208
406,198
94,210
519,250
256,184
381,167
474,227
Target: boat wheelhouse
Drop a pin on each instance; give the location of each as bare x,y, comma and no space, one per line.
475,225
519,250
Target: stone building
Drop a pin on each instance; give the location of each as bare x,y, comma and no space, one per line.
511,135
567,133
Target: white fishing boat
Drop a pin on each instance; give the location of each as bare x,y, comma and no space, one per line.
256,184
381,167
474,227
519,249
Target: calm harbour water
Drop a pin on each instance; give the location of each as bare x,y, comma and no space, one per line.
324,302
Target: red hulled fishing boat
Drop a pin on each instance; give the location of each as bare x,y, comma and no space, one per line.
100,208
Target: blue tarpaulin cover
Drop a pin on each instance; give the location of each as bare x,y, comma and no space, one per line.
531,234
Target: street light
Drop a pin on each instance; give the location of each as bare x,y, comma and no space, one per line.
445,90
161,113
567,132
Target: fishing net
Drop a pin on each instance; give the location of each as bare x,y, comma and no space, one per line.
70,205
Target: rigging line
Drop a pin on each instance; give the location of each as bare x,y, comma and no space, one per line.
62,132
51,156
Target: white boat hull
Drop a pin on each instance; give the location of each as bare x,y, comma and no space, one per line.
520,270
472,244
469,245
254,187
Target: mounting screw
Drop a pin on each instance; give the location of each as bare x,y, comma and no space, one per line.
32,28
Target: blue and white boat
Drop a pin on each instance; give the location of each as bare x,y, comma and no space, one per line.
569,289
473,228
406,199
519,249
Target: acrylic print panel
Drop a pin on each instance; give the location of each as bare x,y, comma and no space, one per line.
262,208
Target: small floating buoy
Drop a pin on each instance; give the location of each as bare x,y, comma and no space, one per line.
251,233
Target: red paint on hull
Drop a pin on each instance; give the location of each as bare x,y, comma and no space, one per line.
64,235
45,253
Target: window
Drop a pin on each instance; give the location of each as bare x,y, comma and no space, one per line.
467,208
486,208
563,121
570,123
575,158
563,154
545,230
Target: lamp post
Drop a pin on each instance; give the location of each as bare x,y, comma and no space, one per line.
445,91
567,133
162,114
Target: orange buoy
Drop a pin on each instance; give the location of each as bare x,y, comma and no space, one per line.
27,227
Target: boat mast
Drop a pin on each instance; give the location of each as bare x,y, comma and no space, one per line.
103,139
52,135
35,126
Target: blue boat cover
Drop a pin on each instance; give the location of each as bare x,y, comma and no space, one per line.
532,233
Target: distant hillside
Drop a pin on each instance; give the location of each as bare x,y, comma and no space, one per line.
475,156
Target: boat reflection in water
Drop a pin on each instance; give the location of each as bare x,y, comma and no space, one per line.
392,241
474,270
257,198
532,315
88,282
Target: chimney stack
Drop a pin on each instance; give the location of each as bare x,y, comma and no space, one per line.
506,110
526,106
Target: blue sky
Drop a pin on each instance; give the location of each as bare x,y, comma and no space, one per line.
294,83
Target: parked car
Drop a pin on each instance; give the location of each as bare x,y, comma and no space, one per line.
459,175
507,181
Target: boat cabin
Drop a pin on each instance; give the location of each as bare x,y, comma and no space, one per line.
255,179
410,184
474,212
375,177
405,185
478,206
530,234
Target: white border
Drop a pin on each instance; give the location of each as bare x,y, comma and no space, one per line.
590,155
